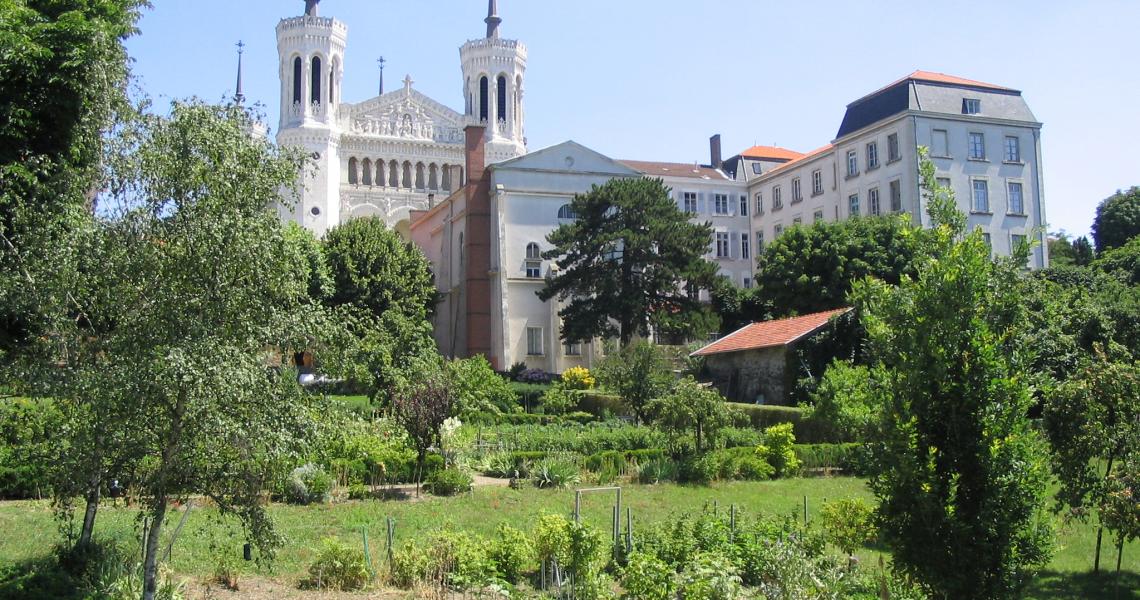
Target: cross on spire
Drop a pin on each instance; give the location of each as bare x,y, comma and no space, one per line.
380,61
239,97
492,19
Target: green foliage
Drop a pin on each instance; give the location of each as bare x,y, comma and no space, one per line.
960,475
741,464
848,524
558,399
638,373
849,398
448,482
647,577
308,253
710,577
554,472
852,459
812,269
737,306
28,430
1065,252
1117,220
373,269
1122,262
444,558
778,449
338,567
512,552
626,259
580,549
1120,505
478,388
1093,422
587,439
691,408
308,484
658,470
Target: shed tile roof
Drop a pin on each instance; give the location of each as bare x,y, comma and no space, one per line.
771,153
769,334
669,169
802,158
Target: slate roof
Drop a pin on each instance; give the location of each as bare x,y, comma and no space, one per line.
769,334
669,169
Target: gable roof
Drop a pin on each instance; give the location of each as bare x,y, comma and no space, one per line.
769,334
670,169
771,153
568,156
803,158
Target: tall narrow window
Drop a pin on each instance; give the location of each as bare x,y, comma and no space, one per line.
852,163
533,261
1012,149
721,244
484,98
853,205
981,196
797,193
816,182
367,172
777,200
893,153
873,200
896,196
744,206
720,204
352,179
297,74
501,98
315,92
759,242
759,203
745,251
534,341
1016,202
690,201
872,156
977,146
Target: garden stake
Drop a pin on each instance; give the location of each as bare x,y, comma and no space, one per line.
805,510
177,530
716,507
617,533
391,534
143,557
367,553
629,530
731,521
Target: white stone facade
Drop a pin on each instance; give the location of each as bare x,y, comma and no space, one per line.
397,152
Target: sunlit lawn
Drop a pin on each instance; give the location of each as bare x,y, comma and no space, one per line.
27,529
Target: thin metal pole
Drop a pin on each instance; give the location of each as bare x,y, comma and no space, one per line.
805,510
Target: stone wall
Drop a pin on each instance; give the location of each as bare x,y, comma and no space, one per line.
745,376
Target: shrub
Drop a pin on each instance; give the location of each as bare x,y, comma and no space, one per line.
512,553
808,430
446,558
558,400
852,459
409,565
601,404
226,571
359,491
698,469
848,524
778,449
535,376
27,434
647,577
658,470
338,567
848,399
744,463
577,378
308,484
516,371
710,577
477,387
448,482
554,473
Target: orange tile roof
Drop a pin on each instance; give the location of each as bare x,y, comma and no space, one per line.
769,334
669,169
808,156
952,80
771,152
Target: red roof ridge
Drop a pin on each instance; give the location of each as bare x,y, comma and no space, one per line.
805,157
775,152
770,334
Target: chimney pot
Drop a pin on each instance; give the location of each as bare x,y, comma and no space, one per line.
714,151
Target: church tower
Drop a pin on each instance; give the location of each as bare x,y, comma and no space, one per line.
494,70
311,53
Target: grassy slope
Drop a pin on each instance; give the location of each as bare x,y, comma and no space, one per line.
29,530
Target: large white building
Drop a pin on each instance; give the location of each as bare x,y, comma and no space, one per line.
463,188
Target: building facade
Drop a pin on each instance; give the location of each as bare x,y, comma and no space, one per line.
399,151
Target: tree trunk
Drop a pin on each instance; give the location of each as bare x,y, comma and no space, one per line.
1119,554
150,558
93,495
1100,527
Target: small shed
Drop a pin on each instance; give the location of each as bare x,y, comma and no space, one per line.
750,365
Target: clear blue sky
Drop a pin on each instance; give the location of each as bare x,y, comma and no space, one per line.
653,79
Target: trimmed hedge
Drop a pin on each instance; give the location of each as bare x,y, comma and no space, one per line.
807,431
601,404
489,419
620,460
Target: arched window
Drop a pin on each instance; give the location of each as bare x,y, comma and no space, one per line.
501,98
378,176
565,212
420,176
332,82
352,171
297,69
367,172
446,178
484,98
533,261
407,180
393,174
315,92
433,177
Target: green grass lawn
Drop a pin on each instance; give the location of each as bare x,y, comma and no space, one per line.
28,528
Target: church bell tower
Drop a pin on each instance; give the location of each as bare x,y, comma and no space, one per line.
311,53
494,70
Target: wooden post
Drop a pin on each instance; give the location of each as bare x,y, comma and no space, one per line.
367,553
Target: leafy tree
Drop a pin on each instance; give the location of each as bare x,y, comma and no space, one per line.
1120,509
1061,252
421,409
812,269
374,269
960,474
1122,263
63,74
1117,219
1082,251
737,306
184,285
478,388
692,409
626,261
638,373
1093,422
307,252
848,524
849,398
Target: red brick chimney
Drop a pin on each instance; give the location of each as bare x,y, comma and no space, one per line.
478,245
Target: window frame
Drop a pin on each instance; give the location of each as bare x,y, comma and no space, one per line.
570,214
817,182
971,146
744,205
817,216
872,155
685,198
853,208
717,209
894,152
852,164
1020,198
723,249
745,247
1016,155
971,106
797,190
777,198
895,199
986,210
572,348
759,203
530,342
873,205
756,169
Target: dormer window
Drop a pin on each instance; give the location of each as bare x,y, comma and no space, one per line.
971,106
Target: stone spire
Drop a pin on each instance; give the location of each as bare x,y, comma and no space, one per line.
492,19
239,97
312,8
